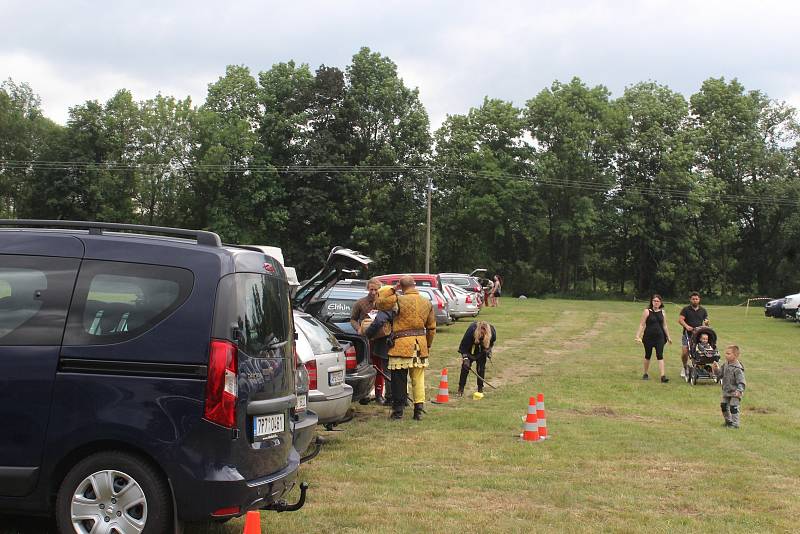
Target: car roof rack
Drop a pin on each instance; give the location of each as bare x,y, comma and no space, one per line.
203,237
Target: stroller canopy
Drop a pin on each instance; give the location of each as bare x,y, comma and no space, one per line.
698,331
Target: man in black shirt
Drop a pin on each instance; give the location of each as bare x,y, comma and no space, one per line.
690,318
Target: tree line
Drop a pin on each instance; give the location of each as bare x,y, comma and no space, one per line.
572,192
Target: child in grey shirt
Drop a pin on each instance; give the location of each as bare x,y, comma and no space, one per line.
731,376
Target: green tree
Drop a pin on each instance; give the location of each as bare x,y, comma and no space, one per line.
486,197
573,128
164,158
24,133
745,142
651,224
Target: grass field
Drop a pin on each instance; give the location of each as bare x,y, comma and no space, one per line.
625,455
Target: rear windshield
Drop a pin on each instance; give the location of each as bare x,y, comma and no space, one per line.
319,337
253,311
345,294
460,281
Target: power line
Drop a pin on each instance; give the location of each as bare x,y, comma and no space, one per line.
315,171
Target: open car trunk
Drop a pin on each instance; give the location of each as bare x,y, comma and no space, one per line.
342,263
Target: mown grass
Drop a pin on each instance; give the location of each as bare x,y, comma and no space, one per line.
625,455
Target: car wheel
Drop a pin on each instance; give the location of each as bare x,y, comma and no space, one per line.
113,492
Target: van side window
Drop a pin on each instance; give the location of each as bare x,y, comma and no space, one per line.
34,296
116,301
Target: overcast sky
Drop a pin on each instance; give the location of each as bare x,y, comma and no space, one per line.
456,52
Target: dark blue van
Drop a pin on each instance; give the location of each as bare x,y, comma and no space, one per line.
145,380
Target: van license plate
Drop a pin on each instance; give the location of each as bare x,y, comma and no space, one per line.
335,378
267,425
301,403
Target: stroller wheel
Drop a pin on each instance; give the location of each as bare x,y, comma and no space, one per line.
693,377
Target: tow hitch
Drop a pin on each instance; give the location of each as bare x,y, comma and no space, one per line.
282,506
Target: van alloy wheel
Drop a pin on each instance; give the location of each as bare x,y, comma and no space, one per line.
109,502
114,492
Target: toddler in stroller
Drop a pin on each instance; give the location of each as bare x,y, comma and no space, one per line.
702,354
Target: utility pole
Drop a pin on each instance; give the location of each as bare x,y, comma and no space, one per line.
428,229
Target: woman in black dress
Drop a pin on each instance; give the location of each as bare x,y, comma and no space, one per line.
656,334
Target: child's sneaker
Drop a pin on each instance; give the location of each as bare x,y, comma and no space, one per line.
664,379
645,377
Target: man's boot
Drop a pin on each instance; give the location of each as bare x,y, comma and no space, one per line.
397,410
460,392
418,411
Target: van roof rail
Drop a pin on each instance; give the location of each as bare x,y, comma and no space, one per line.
203,237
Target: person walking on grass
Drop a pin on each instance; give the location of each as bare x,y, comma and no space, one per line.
691,317
731,376
656,334
476,346
494,293
413,330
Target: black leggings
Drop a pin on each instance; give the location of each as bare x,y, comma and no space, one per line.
650,344
462,379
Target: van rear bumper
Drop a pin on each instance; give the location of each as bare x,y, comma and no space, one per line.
197,499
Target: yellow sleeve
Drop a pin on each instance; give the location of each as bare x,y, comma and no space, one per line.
386,299
430,326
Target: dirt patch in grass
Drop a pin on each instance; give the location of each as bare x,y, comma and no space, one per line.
605,411
520,369
759,409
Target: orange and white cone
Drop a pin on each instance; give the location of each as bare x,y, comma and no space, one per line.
443,396
541,416
531,429
252,523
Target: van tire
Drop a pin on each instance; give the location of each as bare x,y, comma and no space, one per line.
123,470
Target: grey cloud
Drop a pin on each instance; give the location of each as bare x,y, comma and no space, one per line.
457,52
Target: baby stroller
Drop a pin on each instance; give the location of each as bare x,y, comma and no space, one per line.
699,367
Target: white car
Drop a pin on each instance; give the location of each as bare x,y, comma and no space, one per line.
325,360
462,303
790,305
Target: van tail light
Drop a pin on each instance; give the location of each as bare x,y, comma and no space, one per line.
439,302
468,299
221,384
296,359
311,367
350,361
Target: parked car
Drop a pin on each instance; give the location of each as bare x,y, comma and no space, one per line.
439,302
467,282
421,279
462,303
324,359
305,420
774,308
147,380
790,305
339,303
359,372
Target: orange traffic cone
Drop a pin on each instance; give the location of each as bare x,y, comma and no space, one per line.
531,428
541,416
444,393
252,523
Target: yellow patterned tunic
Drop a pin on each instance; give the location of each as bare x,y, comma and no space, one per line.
414,314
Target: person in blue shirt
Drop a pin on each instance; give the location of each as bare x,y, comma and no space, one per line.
476,346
